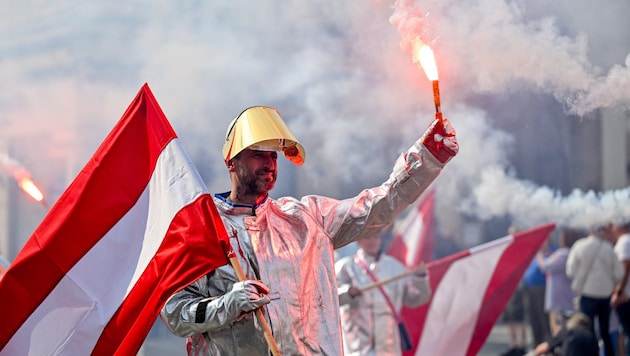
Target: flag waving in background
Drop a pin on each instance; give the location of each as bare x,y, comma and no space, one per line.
136,225
414,236
470,291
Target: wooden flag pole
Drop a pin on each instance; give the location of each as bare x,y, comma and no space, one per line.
387,280
273,346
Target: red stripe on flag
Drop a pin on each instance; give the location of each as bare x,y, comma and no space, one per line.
177,263
506,277
414,236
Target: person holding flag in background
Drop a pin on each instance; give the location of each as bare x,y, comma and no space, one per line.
286,245
370,312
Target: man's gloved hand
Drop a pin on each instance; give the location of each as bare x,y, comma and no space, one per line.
246,296
440,140
354,292
421,270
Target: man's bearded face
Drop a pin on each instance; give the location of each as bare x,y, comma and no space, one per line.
257,172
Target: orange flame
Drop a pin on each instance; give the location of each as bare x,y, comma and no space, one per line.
21,176
31,189
423,54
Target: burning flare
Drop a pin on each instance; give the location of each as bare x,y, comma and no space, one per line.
423,54
31,189
22,177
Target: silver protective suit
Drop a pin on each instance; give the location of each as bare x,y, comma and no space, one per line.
368,324
289,245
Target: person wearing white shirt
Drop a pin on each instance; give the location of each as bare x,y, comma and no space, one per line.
595,271
621,298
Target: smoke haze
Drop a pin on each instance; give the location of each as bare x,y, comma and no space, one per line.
341,75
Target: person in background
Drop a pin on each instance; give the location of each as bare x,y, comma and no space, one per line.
576,338
595,271
616,335
620,300
534,285
558,293
514,318
370,319
286,246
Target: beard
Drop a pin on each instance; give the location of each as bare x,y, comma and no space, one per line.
256,183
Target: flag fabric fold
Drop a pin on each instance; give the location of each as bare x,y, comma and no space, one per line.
413,237
470,291
135,225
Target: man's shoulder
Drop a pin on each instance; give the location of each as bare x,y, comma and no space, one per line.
344,261
580,247
624,239
392,260
307,202
622,247
584,241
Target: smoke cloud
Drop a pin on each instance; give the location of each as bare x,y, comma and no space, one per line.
505,52
12,167
339,72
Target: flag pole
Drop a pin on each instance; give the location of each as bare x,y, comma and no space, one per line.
240,274
387,280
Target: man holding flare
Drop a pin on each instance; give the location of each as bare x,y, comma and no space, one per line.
286,245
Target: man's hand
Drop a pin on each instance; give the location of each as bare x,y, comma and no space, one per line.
440,140
247,295
542,349
618,298
354,292
421,270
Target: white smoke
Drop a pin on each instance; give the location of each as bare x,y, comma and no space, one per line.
490,46
339,72
13,168
530,204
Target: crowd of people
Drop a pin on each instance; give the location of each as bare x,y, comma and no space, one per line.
586,295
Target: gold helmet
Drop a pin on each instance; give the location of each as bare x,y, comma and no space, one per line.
261,128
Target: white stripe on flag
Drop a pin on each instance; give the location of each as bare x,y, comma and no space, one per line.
457,300
91,292
412,235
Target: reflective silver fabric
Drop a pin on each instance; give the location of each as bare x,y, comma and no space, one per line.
368,324
288,244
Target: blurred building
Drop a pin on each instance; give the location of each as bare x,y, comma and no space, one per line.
556,150
615,146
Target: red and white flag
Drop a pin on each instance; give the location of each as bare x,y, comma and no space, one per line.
470,291
414,236
136,225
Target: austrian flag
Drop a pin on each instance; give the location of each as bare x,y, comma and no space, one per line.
413,237
134,226
470,290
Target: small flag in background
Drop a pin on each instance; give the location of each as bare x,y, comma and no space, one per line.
136,225
414,235
470,291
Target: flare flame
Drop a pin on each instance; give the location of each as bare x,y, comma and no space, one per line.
29,187
424,55
21,176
